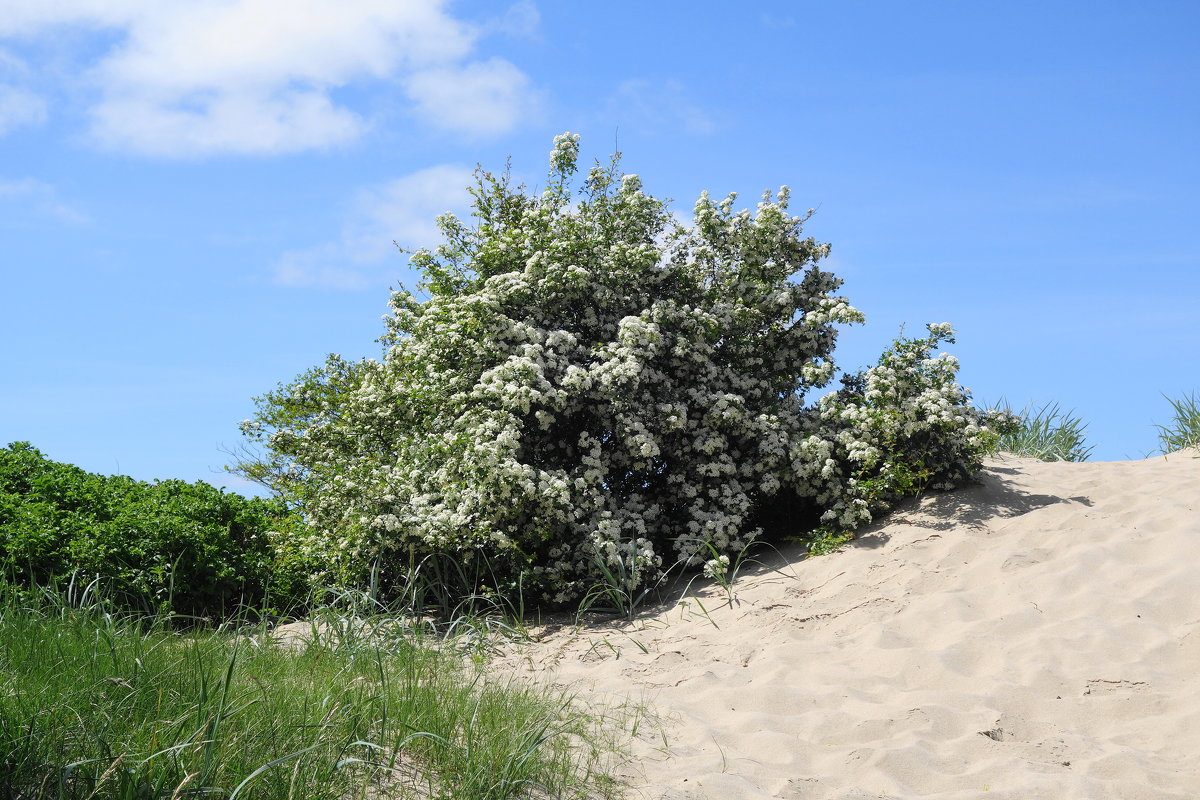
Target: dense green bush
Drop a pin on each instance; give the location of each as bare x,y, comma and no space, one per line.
592,392
167,546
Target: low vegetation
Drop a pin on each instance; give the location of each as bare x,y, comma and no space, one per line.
1050,434
1184,428
95,703
1047,434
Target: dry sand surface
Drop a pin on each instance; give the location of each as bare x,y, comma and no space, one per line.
1034,636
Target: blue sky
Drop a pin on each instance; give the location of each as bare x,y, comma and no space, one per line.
198,200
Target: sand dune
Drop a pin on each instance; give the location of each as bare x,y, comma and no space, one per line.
1035,636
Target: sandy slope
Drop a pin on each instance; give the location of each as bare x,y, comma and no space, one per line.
1036,636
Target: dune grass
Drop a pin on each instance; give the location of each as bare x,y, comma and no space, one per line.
1048,434
97,704
1184,429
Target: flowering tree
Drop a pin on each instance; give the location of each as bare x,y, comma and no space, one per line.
587,388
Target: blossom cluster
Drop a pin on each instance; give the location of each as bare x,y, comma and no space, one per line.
902,426
590,389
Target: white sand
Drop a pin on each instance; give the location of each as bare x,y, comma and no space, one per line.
1037,636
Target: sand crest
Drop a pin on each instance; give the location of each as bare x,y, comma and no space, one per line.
1034,636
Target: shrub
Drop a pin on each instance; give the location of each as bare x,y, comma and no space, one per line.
900,427
592,390
168,546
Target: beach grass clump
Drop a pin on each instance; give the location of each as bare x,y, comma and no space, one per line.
1047,433
98,704
1184,428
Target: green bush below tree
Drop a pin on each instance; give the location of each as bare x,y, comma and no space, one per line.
169,546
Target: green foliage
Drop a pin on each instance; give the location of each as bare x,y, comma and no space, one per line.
591,394
1048,434
187,548
96,705
1184,430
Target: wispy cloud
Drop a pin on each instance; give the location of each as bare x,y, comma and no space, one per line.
520,20
20,107
403,211
657,106
262,76
479,99
235,122
770,20
43,198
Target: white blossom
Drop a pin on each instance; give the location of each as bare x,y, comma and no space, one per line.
590,388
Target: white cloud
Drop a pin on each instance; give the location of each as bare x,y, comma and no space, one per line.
657,106
403,211
11,63
481,99
520,20
22,17
328,265
43,198
19,107
259,76
245,122
176,47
